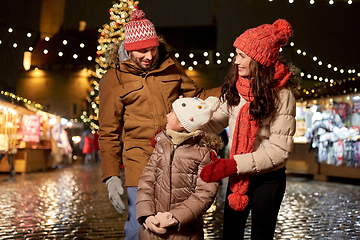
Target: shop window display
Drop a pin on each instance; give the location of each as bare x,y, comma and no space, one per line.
334,133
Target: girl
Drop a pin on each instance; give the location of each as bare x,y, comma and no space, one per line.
171,198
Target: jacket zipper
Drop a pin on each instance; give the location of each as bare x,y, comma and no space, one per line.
170,173
170,167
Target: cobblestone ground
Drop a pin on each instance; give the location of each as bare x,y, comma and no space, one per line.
72,203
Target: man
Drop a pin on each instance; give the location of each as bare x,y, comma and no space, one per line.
135,97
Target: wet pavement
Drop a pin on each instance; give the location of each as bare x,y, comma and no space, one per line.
72,203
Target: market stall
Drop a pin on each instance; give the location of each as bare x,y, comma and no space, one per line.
26,136
327,139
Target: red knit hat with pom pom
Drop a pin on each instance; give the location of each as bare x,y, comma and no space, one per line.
140,32
263,42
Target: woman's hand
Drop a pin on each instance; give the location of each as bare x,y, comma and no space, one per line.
219,169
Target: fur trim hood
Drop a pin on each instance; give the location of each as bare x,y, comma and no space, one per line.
211,140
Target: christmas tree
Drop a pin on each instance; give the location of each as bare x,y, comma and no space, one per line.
110,34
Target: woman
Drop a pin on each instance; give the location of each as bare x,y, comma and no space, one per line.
258,105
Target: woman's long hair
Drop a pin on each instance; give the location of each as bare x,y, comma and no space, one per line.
263,87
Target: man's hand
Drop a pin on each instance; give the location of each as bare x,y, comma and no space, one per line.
219,169
153,225
115,189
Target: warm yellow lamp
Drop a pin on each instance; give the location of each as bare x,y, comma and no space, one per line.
27,60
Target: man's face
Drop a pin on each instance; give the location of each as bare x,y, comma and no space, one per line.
145,58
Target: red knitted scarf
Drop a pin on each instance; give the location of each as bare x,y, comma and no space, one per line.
245,134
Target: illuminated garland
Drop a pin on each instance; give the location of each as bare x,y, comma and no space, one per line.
112,31
312,2
19,99
109,33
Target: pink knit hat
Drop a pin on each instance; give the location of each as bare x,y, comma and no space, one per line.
263,42
139,32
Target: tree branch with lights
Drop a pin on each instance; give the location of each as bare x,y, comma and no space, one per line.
110,35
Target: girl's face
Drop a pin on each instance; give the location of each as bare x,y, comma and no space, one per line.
242,61
173,122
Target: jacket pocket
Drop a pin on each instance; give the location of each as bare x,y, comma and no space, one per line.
170,84
174,77
129,87
138,148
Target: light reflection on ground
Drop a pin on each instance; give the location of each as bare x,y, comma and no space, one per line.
72,202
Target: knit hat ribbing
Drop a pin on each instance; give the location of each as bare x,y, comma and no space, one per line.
263,42
193,113
140,33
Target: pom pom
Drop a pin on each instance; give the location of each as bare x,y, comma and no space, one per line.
284,30
213,103
238,202
137,15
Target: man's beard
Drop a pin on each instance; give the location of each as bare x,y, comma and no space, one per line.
154,63
152,66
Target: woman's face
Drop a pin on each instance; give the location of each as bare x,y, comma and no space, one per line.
242,61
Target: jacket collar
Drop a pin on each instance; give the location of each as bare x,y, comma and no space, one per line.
180,138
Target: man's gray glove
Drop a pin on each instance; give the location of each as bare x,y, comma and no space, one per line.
115,191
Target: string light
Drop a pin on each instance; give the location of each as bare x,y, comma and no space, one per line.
120,14
328,65
21,99
192,55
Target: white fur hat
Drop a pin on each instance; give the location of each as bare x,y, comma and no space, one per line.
193,113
